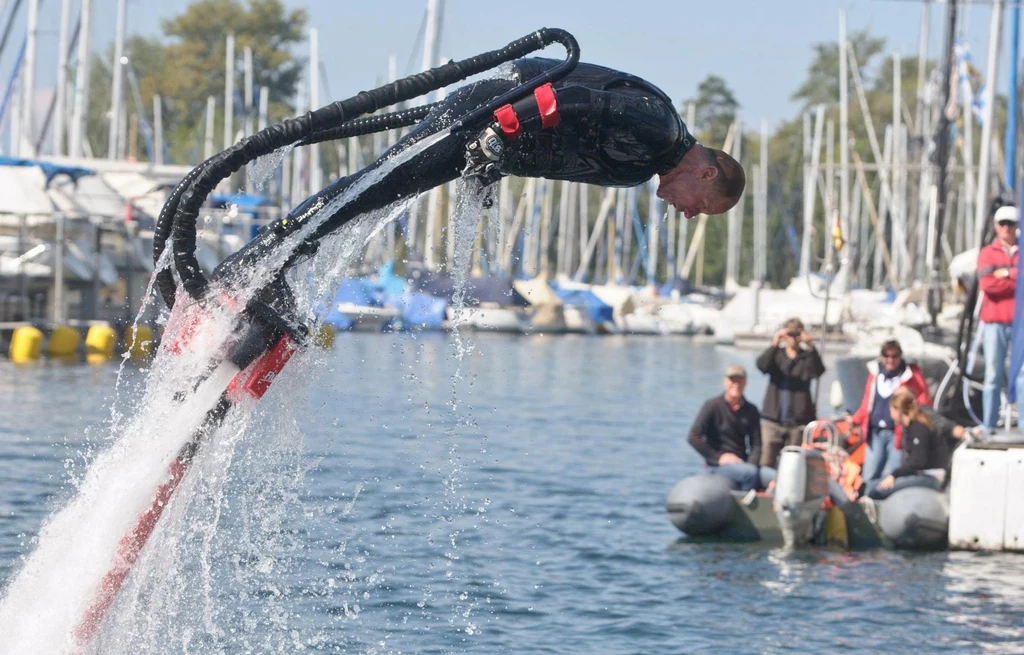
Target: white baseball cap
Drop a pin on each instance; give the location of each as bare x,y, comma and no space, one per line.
1006,213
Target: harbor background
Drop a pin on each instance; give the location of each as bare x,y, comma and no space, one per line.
508,501
391,495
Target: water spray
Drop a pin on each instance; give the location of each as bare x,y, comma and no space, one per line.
266,331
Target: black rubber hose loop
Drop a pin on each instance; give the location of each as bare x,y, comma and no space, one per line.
291,131
372,124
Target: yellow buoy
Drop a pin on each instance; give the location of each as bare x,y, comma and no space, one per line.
25,344
99,343
325,336
139,340
63,342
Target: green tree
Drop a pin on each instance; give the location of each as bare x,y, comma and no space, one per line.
716,108
186,66
822,83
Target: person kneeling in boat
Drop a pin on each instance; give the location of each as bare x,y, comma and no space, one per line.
925,453
727,434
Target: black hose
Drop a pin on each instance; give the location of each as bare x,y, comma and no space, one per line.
965,331
372,124
165,283
222,165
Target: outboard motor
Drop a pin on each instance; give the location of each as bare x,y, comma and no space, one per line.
700,505
801,486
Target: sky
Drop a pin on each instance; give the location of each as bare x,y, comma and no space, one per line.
761,47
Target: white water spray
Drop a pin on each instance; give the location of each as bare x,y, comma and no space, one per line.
47,599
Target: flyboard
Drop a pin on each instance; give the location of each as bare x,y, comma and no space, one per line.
231,335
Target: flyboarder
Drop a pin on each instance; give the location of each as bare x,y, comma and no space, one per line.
559,120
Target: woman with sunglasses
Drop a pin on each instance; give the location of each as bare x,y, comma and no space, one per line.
873,417
997,280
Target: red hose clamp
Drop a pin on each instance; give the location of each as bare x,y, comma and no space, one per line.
547,105
508,121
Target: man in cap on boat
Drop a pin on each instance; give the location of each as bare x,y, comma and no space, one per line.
727,434
595,126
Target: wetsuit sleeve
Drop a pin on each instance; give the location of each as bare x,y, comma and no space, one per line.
702,427
918,442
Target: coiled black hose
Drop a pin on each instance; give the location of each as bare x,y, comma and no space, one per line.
204,179
370,125
165,283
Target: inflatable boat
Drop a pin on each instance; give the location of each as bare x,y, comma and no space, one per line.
799,512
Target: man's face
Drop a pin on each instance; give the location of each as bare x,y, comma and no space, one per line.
689,187
1006,231
734,386
690,194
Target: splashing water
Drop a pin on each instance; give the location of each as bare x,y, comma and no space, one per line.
155,610
468,209
261,170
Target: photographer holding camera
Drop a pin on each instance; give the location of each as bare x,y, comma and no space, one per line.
791,364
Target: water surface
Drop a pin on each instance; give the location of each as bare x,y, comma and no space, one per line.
388,498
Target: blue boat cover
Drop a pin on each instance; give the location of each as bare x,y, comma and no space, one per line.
598,311
420,311
359,291
389,281
498,290
245,202
50,170
337,320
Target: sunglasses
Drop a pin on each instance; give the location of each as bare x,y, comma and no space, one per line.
891,355
736,379
1007,223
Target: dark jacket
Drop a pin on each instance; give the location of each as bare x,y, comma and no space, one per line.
944,428
923,449
717,429
797,374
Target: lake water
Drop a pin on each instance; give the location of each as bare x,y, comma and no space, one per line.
388,497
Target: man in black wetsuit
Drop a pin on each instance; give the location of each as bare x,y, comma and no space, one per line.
596,126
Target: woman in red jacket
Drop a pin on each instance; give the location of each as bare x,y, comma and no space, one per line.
874,419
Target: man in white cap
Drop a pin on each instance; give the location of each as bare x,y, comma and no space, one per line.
997,279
